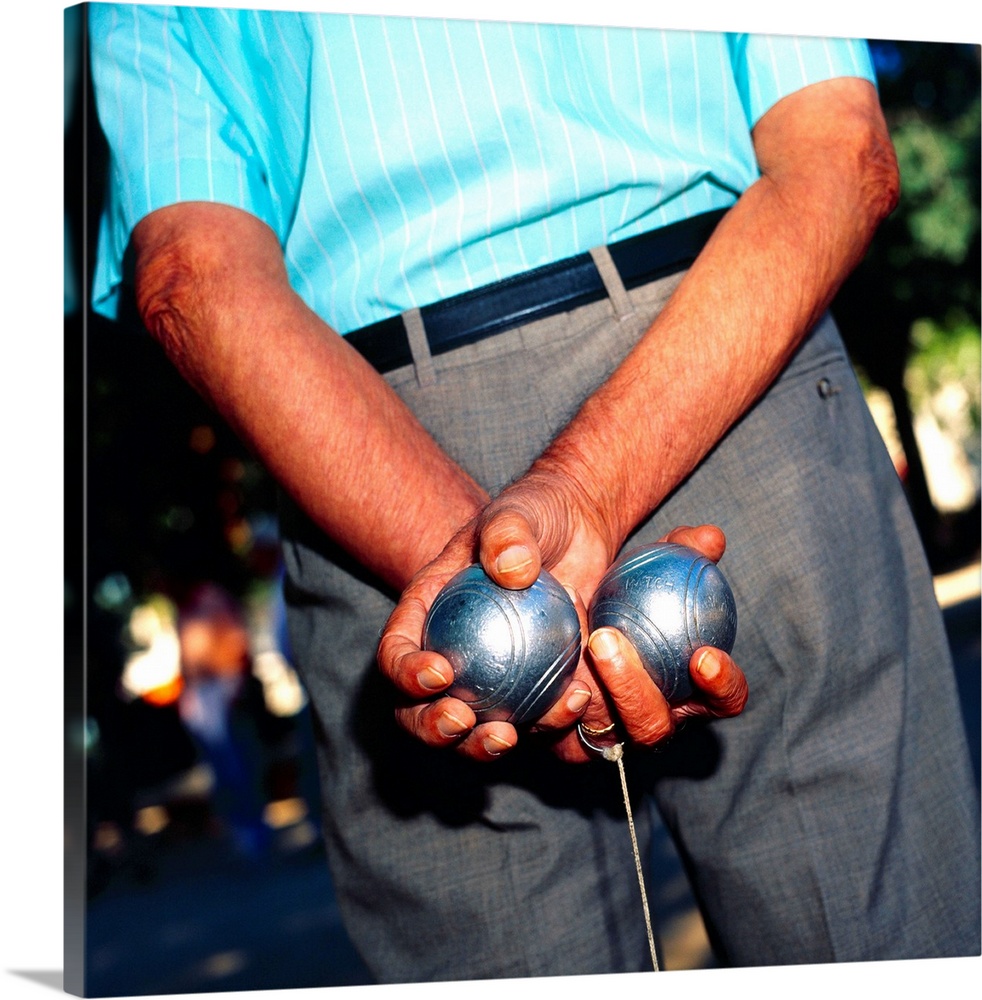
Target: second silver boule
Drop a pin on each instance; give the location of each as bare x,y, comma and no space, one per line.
668,600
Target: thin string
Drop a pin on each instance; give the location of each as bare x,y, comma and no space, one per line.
616,753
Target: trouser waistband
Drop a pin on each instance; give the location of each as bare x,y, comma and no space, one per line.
536,294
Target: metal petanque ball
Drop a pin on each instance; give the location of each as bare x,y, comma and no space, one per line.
512,651
668,600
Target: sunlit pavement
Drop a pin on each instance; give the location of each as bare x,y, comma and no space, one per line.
177,912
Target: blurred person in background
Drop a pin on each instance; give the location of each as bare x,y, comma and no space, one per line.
221,703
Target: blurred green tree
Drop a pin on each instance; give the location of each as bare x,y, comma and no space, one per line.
910,312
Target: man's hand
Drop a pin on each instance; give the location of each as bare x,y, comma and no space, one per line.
532,524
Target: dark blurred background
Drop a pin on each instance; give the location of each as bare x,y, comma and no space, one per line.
191,801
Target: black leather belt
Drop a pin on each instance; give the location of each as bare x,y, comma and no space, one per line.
533,295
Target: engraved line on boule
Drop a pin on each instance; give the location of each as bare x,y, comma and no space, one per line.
550,676
690,603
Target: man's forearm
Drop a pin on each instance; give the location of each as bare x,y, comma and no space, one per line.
212,289
761,283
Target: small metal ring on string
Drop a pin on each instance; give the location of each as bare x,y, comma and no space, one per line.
587,734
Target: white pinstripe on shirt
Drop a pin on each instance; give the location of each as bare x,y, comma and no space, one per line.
404,160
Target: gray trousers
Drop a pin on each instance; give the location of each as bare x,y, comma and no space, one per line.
835,820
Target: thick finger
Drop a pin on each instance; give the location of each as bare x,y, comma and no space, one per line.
509,551
568,709
642,710
705,538
416,672
723,685
449,722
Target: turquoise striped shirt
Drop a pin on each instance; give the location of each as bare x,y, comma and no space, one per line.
403,160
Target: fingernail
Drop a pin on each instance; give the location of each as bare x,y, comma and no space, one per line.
603,644
432,679
578,700
513,559
449,725
709,665
495,745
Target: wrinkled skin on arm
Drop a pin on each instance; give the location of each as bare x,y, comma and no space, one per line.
212,288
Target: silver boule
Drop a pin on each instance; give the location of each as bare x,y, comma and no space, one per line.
512,651
668,600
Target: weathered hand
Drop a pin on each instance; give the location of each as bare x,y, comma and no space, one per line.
538,522
621,690
531,524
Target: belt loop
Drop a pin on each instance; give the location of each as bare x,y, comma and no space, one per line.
419,347
623,309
